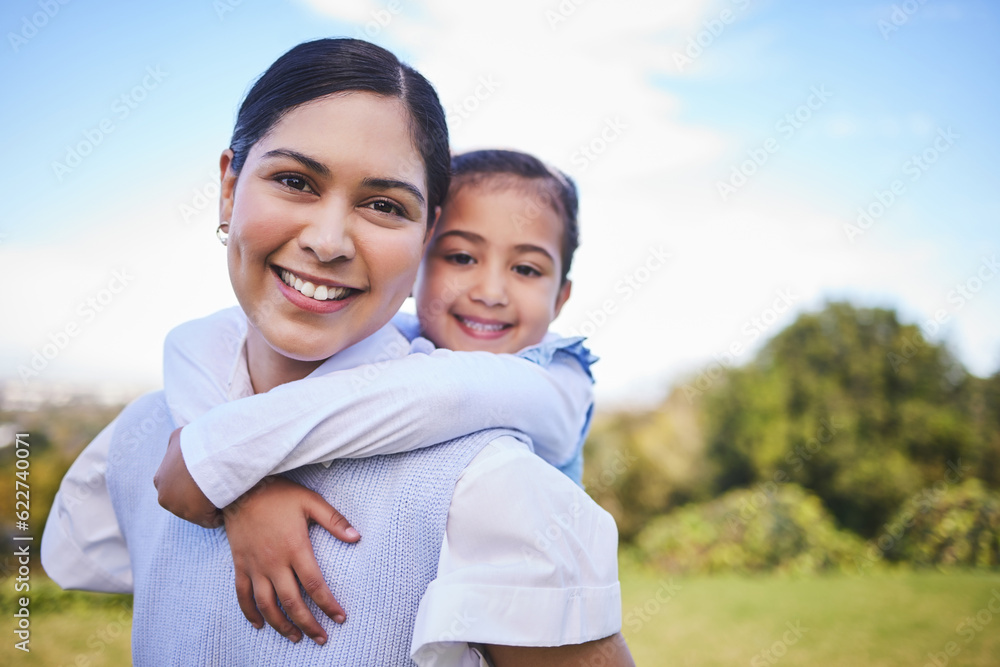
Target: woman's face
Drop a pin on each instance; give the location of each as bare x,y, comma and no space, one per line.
326,224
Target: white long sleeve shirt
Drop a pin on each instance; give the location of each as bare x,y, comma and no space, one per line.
544,579
406,399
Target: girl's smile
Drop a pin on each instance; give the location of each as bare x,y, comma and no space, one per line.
485,329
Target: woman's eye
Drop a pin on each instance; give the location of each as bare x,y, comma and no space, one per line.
387,207
526,270
295,183
459,258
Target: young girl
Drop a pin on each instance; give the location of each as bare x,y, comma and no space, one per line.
493,278
337,165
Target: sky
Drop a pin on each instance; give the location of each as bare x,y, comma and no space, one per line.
739,162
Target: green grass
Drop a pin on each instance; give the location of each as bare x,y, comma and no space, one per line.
68,628
888,618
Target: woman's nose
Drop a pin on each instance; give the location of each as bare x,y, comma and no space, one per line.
329,235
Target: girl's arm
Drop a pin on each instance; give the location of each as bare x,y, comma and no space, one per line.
389,407
198,362
611,651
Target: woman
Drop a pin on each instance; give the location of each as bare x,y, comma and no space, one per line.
335,173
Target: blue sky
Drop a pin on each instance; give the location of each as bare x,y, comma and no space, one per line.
140,199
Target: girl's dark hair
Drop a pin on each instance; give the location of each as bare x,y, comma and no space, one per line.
489,167
325,66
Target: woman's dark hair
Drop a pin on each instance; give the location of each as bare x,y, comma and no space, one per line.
490,167
325,66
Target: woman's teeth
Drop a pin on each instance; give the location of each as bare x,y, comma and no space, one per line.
321,293
479,326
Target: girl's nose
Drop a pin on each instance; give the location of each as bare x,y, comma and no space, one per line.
490,288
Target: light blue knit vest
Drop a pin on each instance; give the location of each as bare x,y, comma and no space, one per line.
185,610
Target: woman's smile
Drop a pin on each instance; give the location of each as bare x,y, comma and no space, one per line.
315,295
316,288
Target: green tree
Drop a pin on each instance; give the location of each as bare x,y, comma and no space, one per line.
851,404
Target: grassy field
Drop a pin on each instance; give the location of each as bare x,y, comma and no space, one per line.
74,629
878,620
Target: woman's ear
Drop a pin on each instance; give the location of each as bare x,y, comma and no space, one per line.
227,186
563,296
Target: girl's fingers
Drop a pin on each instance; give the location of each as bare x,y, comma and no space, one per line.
267,603
244,595
309,575
333,521
287,589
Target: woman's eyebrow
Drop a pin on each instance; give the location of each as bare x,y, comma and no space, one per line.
310,163
389,183
321,169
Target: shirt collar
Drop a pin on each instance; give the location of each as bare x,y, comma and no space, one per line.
385,344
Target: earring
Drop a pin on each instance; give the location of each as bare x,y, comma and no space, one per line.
222,234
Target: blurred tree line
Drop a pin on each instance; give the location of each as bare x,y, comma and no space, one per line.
847,405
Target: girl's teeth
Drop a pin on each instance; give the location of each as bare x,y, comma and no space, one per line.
479,326
321,293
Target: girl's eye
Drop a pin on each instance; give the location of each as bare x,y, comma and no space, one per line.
387,207
294,182
527,271
460,258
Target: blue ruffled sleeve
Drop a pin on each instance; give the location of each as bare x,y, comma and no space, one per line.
543,353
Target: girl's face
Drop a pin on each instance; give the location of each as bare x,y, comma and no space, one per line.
326,226
491,277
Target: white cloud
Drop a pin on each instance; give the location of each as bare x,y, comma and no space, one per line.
108,296
356,11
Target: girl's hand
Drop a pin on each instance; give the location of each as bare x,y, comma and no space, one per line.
177,491
268,530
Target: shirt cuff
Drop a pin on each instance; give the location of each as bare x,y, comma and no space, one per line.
452,616
70,567
215,486
208,480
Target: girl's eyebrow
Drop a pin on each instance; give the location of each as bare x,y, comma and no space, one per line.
527,247
473,237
